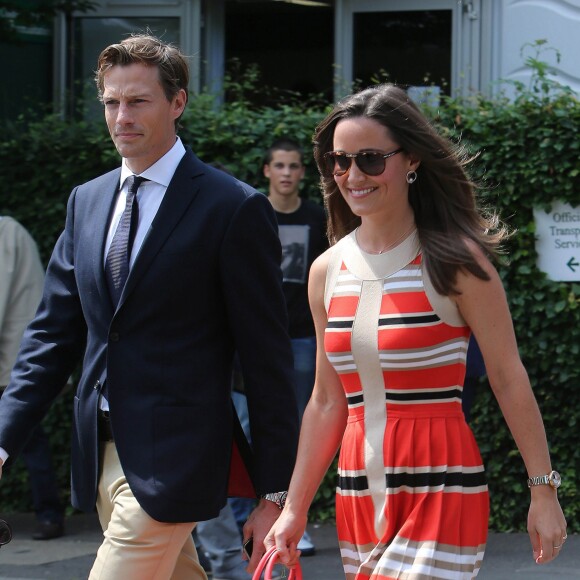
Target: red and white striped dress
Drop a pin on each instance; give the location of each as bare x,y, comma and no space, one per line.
412,500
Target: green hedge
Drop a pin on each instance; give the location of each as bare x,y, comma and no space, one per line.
528,156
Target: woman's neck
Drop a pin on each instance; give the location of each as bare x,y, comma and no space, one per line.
380,237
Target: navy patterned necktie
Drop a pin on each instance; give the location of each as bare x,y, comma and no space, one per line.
117,263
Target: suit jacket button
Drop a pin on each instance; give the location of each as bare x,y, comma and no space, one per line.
114,337
97,385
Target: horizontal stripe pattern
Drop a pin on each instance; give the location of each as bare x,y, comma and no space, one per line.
412,498
408,278
406,559
339,324
355,399
424,396
452,479
347,284
342,361
416,319
451,351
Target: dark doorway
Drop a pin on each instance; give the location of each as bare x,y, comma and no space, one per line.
404,47
291,44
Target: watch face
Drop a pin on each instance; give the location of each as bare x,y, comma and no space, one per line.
555,479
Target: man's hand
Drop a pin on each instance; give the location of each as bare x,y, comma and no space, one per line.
257,527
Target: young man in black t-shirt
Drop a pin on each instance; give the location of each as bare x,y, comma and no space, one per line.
302,230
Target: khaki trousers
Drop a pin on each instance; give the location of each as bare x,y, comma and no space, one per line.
135,546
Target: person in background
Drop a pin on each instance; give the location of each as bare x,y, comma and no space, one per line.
395,300
302,231
221,542
21,279
153,284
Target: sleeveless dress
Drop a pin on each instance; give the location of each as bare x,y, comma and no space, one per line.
412,500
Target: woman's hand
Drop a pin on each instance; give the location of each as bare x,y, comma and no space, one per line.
546,524
285,535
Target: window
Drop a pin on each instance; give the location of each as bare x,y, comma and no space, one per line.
27,78
407,48
291,44
91,35
419,43
80,39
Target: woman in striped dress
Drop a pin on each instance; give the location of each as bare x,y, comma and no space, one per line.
395,300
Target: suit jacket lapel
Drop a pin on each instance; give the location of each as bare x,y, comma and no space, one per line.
101,216
178,197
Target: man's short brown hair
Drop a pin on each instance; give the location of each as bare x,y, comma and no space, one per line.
149,51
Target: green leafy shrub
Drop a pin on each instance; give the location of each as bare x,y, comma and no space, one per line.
529,155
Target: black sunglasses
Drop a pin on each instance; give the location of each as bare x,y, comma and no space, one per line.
5,533
373,163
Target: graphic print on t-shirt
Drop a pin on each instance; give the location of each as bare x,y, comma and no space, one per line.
294,240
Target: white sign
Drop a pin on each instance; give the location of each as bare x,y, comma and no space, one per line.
558,242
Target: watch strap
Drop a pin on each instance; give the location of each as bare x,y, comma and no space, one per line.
539,480
553,479
279,498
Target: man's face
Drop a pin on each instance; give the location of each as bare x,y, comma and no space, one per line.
285,172
140,119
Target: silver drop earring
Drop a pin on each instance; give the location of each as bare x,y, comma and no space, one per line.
411,176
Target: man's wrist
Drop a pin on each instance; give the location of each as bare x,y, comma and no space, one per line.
279,498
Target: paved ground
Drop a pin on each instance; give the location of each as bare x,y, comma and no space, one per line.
508,556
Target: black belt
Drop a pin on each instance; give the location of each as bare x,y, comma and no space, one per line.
104,426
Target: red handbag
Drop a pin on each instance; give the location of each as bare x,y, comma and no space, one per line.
267,563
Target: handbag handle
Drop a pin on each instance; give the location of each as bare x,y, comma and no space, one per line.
267,563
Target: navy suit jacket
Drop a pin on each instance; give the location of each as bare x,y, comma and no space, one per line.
205,283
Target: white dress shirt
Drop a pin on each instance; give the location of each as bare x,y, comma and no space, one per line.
149,196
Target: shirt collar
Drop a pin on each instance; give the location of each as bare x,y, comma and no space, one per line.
162,170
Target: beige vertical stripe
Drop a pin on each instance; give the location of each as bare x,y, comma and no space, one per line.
365,342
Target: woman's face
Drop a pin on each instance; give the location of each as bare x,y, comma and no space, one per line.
367,194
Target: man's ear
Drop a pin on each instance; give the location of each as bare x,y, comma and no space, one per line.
266,170
179,102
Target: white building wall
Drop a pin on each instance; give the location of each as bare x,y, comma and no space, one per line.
516,23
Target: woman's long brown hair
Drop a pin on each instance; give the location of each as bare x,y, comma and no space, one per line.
442,198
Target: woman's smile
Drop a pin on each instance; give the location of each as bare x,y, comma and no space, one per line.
358,193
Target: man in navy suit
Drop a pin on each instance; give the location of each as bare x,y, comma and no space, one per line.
153,424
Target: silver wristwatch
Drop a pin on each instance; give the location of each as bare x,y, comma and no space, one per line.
279,498
553,479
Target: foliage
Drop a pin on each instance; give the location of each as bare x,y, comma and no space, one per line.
42,161
238,135
31,13
529,155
